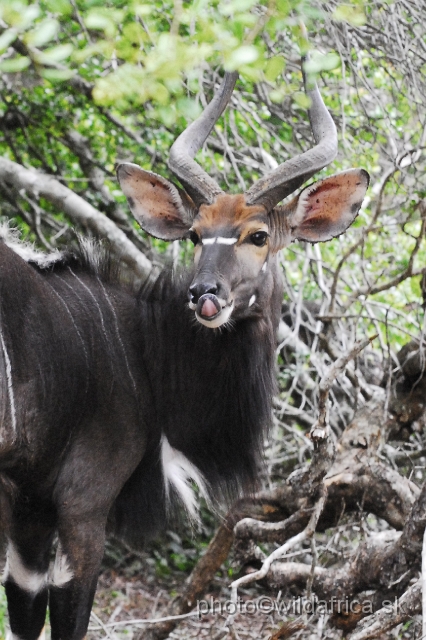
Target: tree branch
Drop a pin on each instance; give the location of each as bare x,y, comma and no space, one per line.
80,211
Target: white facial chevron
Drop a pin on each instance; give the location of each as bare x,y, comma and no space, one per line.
220,240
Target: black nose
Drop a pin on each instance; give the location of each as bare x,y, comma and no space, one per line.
199,289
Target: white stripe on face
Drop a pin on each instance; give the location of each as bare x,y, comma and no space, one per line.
30,581
252,300
219,240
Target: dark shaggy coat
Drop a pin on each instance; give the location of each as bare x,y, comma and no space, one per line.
94,375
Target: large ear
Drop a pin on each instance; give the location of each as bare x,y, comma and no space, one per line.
155,202
323,210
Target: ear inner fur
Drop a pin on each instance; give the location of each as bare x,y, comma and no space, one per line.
155,202
322,210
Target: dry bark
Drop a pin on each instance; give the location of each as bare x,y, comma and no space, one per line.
80,211
355,476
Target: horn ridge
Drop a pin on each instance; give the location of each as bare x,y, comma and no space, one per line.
199,185
291,174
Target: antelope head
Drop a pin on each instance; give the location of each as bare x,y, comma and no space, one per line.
237,237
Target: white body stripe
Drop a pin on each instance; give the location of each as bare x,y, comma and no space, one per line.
9,380
94,300
117,331
179,471
252,300
15,569
61,572
86,355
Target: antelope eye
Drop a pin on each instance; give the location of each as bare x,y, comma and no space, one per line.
259,238
194,238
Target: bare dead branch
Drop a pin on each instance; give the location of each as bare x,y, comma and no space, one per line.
320,430
280,552
389,617
80,211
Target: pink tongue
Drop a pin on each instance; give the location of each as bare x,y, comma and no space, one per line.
208,309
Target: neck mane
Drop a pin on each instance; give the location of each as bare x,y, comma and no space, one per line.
212,389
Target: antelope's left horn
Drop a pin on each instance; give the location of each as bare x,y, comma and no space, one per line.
290,175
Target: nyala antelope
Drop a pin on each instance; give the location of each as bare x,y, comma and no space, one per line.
114,401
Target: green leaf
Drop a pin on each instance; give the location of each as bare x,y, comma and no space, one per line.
284,7
243,55
43,33
100,22
102,47
159,93
274,67
190,109
277,95
143,10
60,7
319,62
7,38
104,20
134,33
302,99
58,75
235,6
17,15
347,13
54,54
14,65
252,74
167,115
